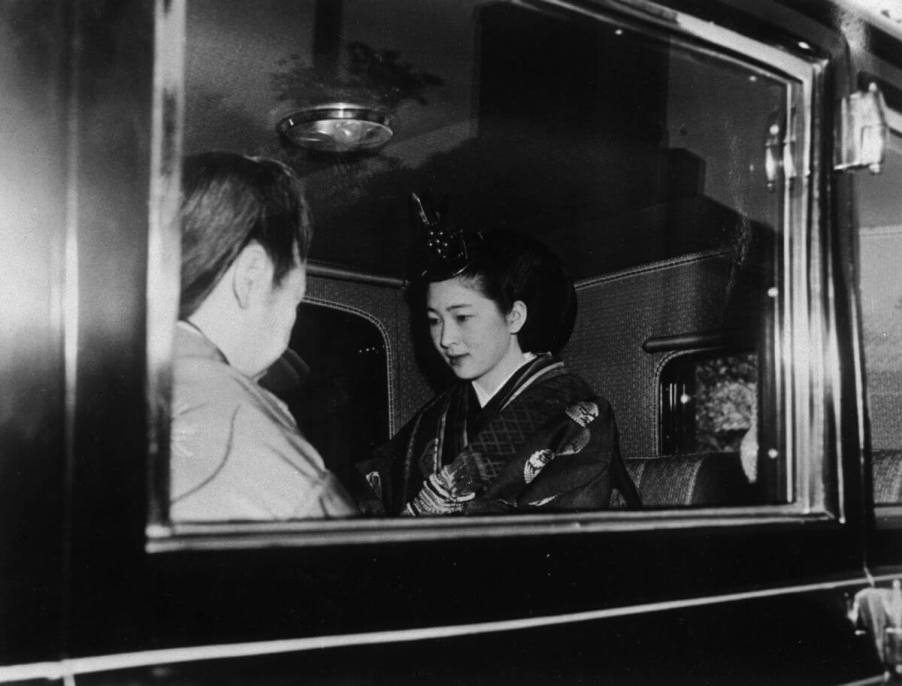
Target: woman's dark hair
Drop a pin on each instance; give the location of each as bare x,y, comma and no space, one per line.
229,200
506,266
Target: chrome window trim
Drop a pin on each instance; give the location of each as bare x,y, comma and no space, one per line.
802,389
250,535
163,242
68,668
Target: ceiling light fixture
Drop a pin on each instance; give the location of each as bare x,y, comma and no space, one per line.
337,127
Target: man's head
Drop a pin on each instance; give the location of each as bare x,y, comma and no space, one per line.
230,200
245,238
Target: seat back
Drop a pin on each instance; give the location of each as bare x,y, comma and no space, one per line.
698,479
887,475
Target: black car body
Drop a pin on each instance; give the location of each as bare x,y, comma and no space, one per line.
643,141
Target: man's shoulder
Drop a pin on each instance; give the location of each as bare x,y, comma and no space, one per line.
205,382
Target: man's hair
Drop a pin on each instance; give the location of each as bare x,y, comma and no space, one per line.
229,200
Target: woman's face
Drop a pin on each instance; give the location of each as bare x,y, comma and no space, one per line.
474,337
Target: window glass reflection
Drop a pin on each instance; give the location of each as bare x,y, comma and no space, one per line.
880,241
338,391
623,150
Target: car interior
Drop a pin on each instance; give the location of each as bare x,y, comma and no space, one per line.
647,169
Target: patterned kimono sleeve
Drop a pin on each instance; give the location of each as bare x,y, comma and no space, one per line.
565,465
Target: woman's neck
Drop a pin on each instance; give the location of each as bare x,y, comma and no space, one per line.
488,385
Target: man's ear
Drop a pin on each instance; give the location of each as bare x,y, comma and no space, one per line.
252,268
516,318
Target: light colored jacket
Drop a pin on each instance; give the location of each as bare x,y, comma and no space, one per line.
236,452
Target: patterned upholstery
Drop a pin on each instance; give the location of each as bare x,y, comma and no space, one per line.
699,480
676,296
887,471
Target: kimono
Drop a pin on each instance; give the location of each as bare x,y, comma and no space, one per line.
236,452
543,442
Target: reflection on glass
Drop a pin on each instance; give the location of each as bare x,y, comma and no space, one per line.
618,147
880,241
339,397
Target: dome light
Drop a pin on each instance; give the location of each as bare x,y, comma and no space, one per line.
337,127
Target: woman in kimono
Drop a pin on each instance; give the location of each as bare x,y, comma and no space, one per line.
516,431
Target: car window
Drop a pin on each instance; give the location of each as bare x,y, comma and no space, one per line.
667,173
708,402
880,246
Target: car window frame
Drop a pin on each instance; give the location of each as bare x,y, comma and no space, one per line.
803,390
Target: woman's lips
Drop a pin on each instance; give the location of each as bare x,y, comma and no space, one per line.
455,360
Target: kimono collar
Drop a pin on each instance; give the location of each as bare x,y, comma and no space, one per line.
483,396
190,341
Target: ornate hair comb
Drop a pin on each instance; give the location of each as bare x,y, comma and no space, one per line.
444,249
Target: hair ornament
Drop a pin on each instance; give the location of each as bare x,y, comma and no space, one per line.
443,248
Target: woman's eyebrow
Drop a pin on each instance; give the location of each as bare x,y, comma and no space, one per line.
449,308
